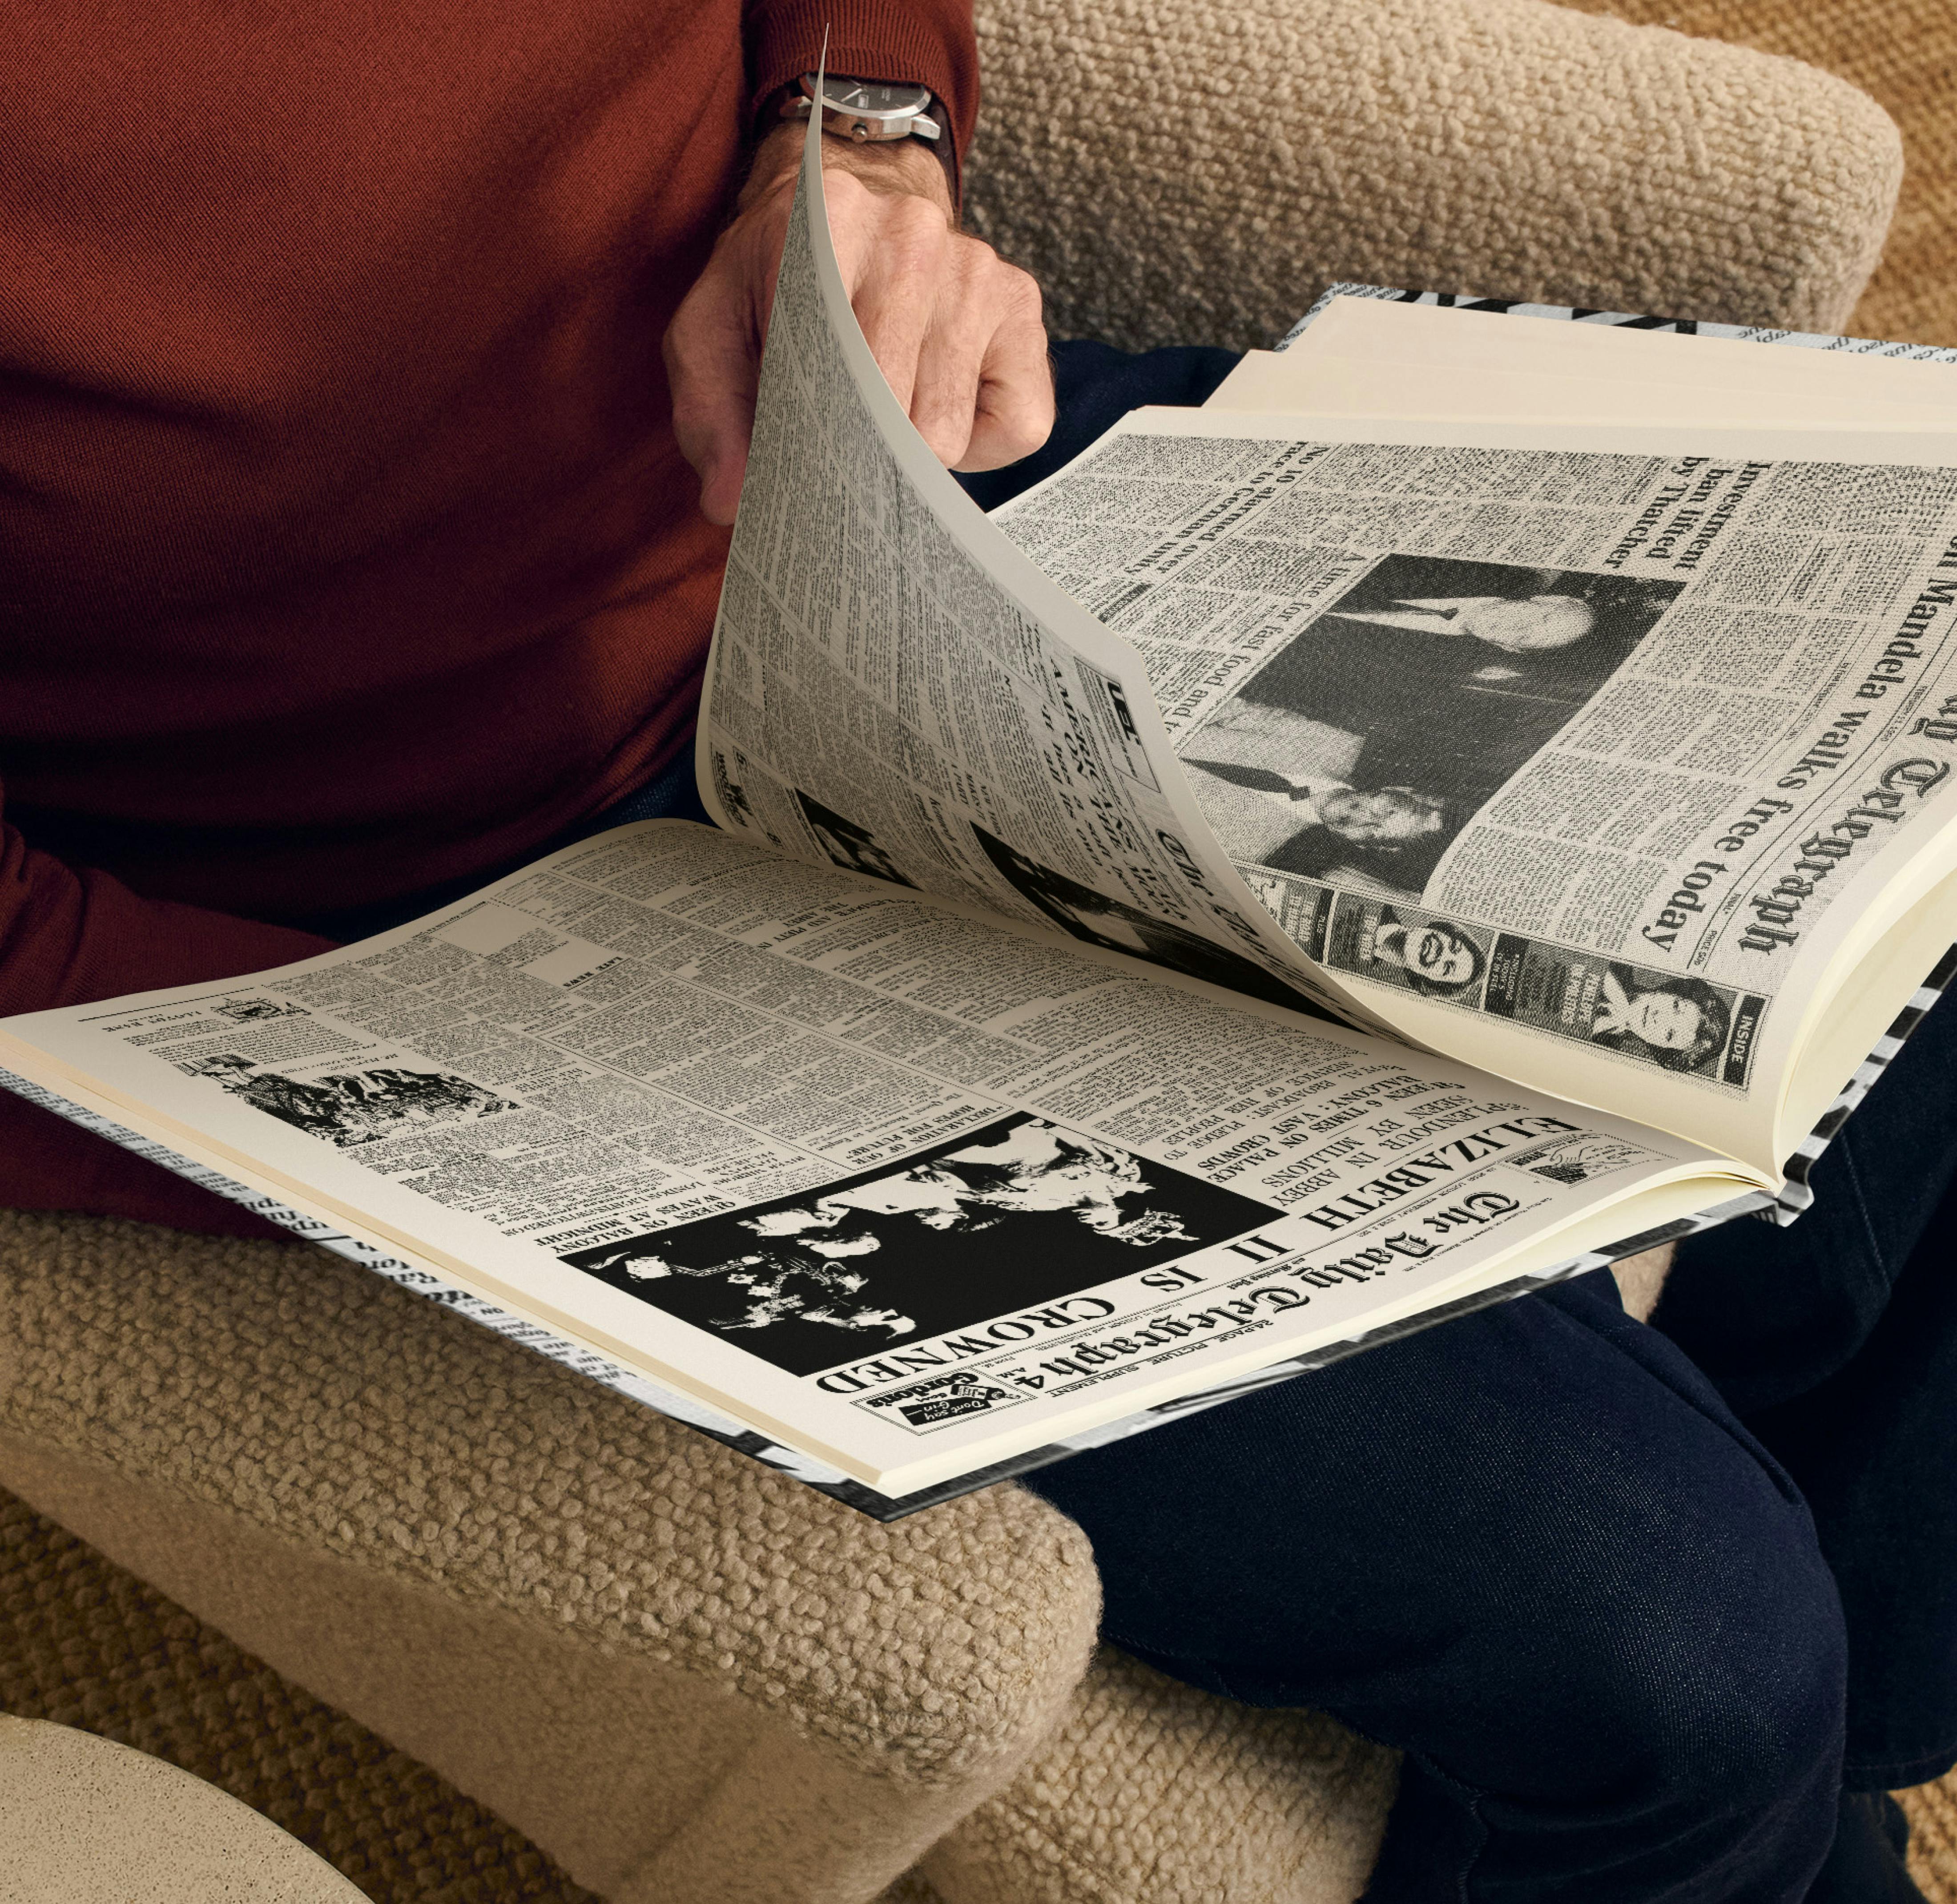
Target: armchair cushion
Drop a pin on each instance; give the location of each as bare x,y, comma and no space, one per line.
1154,1793
1175,174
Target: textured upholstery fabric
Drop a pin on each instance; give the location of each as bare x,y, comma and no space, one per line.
1177,173
1903,53
1153,1790
686,1676
92,1822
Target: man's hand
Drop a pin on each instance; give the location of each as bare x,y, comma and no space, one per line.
955,329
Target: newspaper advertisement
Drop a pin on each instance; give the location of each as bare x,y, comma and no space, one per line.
867,1166
894,690
1587,742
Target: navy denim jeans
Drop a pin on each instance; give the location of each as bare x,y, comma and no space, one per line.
1623,1594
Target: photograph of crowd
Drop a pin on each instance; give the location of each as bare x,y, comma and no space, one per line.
1365,744
354,1107
250,1011
1019,1213
1577,1160
1085,914
851,847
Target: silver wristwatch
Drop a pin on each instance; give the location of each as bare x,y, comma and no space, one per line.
866,110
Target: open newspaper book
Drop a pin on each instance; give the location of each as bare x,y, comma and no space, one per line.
1277,884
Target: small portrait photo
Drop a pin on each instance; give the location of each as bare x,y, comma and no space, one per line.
1085,914
1681,1023
1019,1212
1369,739
1436,958
851,847
733,791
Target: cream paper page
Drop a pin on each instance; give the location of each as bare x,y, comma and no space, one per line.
894,690
1439,337
1302,380
906,1186
1616,892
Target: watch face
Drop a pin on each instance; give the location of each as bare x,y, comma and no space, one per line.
842,94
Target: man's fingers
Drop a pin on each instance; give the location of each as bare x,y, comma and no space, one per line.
1014,411
982,395
944,397
897,288
712,357
955,332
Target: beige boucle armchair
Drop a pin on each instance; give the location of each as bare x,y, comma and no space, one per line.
686,1677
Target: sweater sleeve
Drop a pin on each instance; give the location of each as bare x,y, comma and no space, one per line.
69,936
929,42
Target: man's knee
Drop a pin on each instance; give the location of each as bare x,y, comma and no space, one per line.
1716,1679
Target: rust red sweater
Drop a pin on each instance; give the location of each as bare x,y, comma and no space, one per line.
344,546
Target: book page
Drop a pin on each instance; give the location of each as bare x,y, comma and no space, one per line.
1592,318
896,690
906,1188
1579,747
1383,329
1314,382
1357,354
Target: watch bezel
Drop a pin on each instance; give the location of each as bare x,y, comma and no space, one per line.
866,125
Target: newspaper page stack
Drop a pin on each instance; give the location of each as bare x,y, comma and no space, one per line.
1303,871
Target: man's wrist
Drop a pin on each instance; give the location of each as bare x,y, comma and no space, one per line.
900,166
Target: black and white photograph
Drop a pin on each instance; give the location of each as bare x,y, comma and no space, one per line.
733,792
355,1107
1019,1213
1416,951
1081,912
1358,751
851,847
1674,1020
1579,1159
250,1011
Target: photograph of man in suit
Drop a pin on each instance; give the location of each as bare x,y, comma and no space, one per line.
1454,673
1359,751
1084,914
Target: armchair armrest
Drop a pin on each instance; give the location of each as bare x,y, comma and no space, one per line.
1175,173
687,1678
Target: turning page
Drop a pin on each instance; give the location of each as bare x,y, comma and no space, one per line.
895,689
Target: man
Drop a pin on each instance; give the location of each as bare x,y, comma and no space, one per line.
349,548
350,555
1320,828
1525,626
1454,693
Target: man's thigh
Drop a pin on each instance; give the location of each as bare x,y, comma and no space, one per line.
1515,1543
1771,1314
